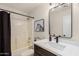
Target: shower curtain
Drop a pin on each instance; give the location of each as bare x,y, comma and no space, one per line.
19,32
5,36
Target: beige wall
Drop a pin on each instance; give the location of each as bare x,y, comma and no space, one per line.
41,13
11,9
75,22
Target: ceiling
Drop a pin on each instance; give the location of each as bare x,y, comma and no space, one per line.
25,7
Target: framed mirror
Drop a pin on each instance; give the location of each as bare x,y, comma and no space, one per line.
60,20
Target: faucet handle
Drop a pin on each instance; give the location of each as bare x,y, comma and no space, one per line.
59,36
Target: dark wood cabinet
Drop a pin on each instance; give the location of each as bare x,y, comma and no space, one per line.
38,51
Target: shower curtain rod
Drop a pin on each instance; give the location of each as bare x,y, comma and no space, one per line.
59,5
16,13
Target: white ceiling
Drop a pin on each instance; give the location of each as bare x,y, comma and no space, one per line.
25,7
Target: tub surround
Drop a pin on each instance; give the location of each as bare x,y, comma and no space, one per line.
26,51
62,48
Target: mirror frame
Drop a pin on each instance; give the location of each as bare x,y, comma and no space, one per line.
71,21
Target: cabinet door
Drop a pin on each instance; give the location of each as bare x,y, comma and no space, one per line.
42,52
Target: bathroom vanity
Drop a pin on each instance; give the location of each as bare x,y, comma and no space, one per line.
38,51
63,48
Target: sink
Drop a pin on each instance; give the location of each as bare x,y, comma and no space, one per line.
56,45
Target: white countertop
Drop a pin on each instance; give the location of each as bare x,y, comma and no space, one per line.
69,50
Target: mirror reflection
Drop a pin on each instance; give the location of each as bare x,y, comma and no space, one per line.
60,20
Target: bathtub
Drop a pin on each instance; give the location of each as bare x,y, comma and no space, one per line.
23,52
